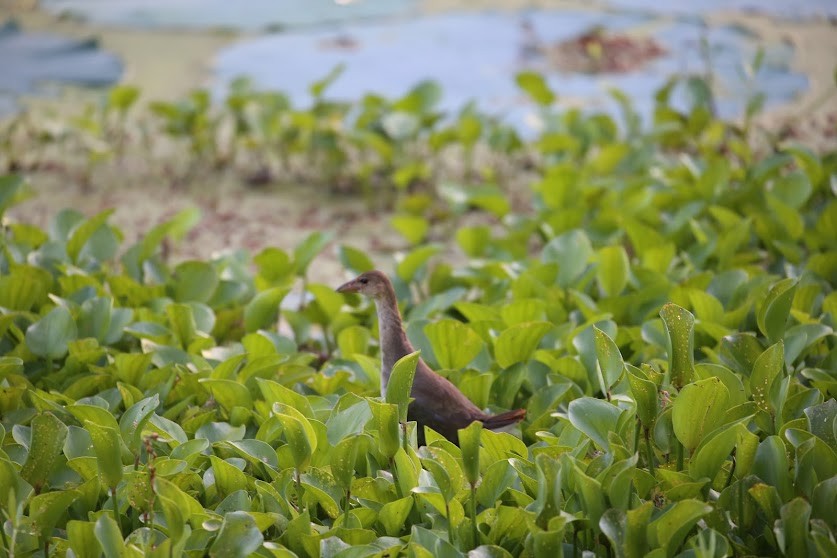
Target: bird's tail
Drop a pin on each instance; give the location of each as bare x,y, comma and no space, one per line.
504,419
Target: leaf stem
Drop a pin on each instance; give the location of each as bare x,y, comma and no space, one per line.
678,451
115,509
637,432
649,451
474,514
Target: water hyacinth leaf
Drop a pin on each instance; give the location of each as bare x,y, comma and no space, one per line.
228,478
262,311
256,451
24,287
109,536
354,260
772,316
81,234
134,419
82,538
108,448
793,528
614,525
46,445
713,451
353,340
308,249
347,422
194,281
343,459
771,466
595,418
518,343
400,383
469,442
454,343
767,368
698,409
680,326
645,395
536,87
412,227
571,251
609,358
393,515
182,323
409,265
299,434
46,509
740,351
613,270
387,424
228,394
593,500
669,530
50,336
822,421
320,485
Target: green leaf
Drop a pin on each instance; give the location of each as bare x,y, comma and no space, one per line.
680,326
318,88
400,384
46,509
47,442
387,424
194,281
612,270
698,409
454,343
609,358
107,445
354,260
82,538
773,313
109,536
393,515
645,395
409,265
767,368
263,311
228,478
81,234
134,419
308,249
595,418
320,485
182,322
571,251
518,343
353,340
535,86
299,434
50,336
411,227
710,455
669,530
469,442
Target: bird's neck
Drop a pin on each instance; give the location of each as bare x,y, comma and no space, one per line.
394,342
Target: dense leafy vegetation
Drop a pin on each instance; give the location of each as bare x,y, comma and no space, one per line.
663,307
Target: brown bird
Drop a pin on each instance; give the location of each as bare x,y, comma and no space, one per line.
437,403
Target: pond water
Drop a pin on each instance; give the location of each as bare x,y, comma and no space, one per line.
474,56
29,62
235,14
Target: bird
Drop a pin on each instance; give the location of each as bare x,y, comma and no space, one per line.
436,403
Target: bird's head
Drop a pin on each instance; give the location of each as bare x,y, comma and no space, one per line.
373,284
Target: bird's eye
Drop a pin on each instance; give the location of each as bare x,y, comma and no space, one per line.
364,281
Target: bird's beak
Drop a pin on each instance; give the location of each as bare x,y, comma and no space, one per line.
350,287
